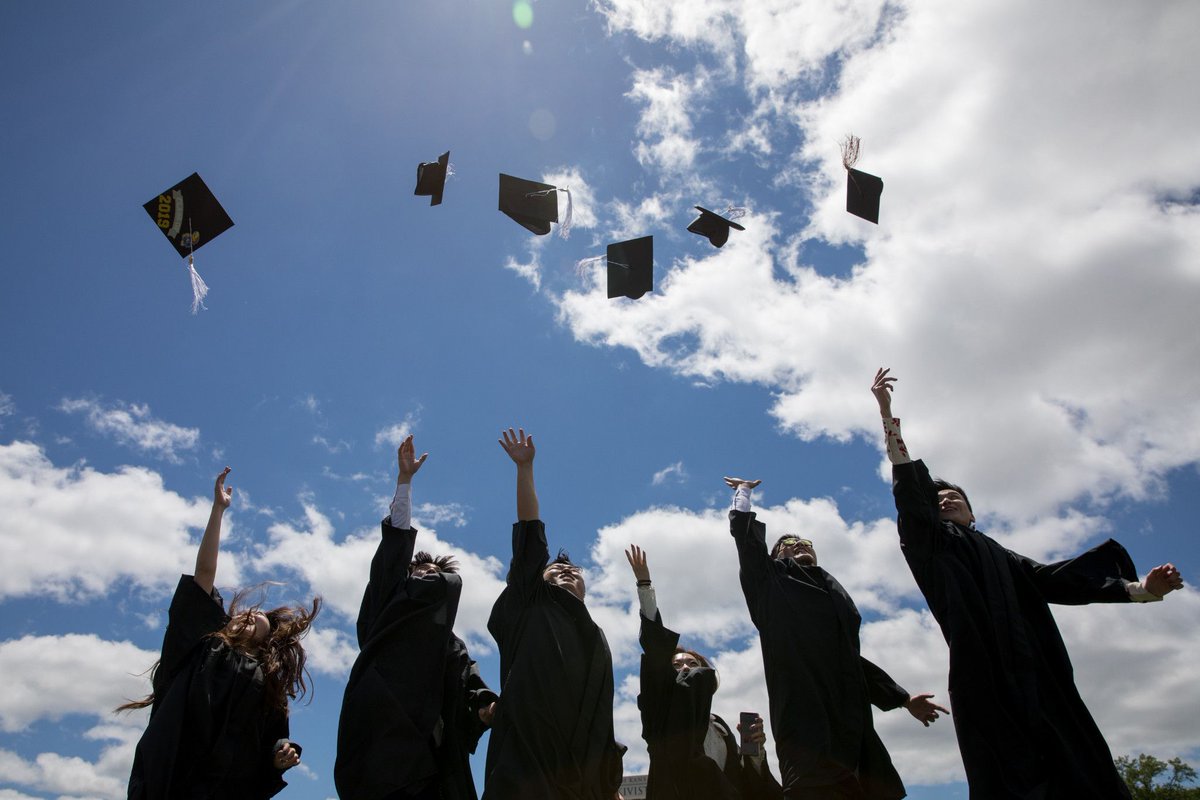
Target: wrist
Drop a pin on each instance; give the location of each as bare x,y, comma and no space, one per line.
403,479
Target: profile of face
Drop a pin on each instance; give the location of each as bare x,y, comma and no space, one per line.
800,549
567,576
255,620
952,507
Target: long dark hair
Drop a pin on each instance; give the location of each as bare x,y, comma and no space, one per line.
281,655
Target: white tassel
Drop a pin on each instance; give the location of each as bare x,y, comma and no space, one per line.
850,149
564,227
735,212
585,265
199,287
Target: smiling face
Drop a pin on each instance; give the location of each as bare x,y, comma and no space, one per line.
421,570
953,507
567,576
801,550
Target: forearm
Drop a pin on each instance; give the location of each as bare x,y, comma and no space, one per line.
897,451
527,502
205,573
401,508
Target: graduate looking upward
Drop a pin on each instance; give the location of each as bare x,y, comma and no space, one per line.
552,733
219,706
1023,730
819,686
415,705
693,753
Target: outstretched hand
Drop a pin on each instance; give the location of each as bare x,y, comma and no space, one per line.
735,483
518,446
408,465
488,713
1163,579
222,497
637,562
882,389
922,707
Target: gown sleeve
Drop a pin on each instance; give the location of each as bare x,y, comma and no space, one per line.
883,692
1097,576
918,520
753,558
530,556
193,615
389,569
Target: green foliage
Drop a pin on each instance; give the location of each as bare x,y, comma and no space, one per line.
1147,781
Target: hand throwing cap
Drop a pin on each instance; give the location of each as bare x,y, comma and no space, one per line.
631,268
431,179
531,204
188,215
713,226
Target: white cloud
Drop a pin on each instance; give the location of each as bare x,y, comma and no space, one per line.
434,514
1026,262
673,471
132,425
392,435
47,677
668,140
7,406
71,533
340,446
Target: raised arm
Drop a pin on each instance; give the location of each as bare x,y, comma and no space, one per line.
407,467
205,573
754,559
521,450
882,388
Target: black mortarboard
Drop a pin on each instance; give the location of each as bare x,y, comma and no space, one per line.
531,204
862,195
713,226
431,179
862,190
631,268
188,215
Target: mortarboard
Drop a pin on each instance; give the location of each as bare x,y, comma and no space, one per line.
631,268
431,179
190,217
533,205
712,225
862,189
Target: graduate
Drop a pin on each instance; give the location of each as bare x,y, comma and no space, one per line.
415,705
819,687
219,706
1023,730
552,733
693,753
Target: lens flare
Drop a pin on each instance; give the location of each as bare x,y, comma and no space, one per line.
522,13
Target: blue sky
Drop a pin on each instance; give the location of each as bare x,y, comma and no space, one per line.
1033,282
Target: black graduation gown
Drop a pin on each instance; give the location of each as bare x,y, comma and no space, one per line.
676,715
819,687
411,672
209,734
1022,728
552,736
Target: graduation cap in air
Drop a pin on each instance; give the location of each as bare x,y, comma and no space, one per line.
533,205
190,217
631,268
862,190
713,226
431,179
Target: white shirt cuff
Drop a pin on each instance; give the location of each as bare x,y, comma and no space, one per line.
896,449
402,507
1138,592
648,601
741,498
